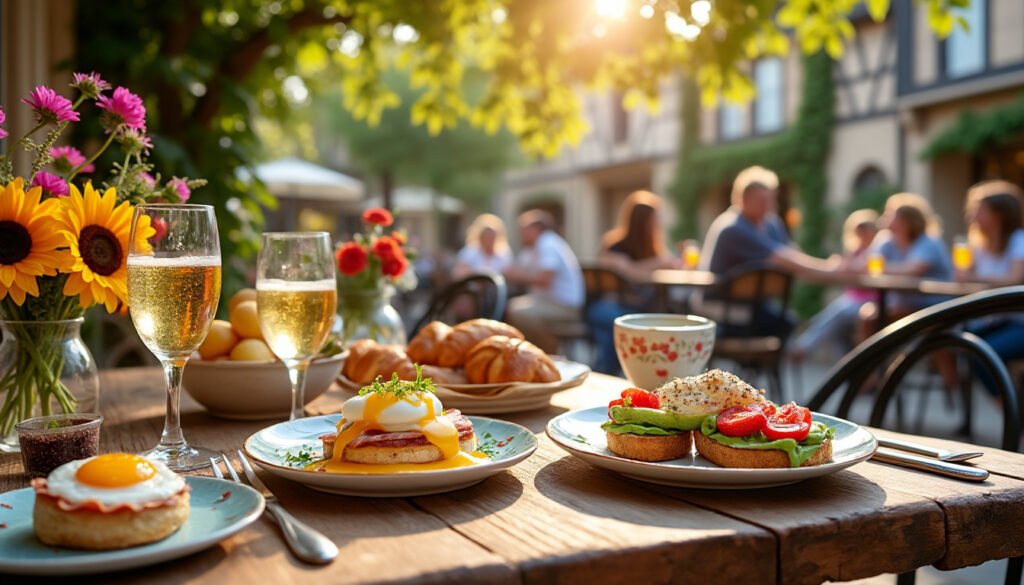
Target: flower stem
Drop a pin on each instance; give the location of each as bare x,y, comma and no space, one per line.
92,158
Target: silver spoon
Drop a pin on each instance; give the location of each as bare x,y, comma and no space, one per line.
928,451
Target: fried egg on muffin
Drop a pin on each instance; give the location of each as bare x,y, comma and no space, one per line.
110,501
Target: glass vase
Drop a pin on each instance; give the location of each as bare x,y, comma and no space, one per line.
368,314
45,368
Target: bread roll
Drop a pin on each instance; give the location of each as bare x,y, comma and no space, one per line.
368,359
456,345
500,359
443,376
423,348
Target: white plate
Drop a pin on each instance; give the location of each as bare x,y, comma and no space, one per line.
270,447
212,518
579,432
502,398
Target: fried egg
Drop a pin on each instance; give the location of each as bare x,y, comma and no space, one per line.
417,411
114,479
708,393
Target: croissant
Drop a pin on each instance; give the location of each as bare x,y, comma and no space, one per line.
368,359
455,347
423,348
444,376
500,359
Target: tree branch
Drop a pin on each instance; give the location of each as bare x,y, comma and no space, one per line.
170,106
245,56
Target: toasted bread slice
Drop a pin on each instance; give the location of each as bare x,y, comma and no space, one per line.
394,453
726,456
650,447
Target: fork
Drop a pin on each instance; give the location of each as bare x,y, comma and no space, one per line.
305,542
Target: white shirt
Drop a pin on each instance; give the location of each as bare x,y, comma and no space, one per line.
551,253
987,264
480,263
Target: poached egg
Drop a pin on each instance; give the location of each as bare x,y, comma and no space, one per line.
708,393
414,411
114,480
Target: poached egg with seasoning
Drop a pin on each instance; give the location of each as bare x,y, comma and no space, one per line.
707,393
417,411
114,480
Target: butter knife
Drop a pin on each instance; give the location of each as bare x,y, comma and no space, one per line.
930,465
306,542
928,451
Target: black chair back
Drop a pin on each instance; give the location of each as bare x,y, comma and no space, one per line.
488,293
905,342
601,281
751,286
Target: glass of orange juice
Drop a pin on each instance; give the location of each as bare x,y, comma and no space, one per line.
962,256
876,264
691,254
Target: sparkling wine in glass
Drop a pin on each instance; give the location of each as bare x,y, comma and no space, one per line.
297,295
173,291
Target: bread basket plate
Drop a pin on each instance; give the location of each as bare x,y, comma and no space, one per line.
213,516
502,398
579,432
272,447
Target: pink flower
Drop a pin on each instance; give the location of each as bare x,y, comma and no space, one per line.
50,183
147,179
50,107
3,133
123,110
90,84
135,141
68,158
180,186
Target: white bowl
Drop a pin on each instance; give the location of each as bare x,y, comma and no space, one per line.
656,347
254,390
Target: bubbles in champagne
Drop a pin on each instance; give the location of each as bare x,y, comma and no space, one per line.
296,316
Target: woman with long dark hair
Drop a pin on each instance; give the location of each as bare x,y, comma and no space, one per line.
634,248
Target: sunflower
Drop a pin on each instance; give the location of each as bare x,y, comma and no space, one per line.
97,232
29,241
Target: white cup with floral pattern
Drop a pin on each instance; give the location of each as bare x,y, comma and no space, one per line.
656,347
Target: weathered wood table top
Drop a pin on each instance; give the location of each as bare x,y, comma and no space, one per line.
554,519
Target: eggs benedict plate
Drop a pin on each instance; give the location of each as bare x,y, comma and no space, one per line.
393,439
647,436
117,511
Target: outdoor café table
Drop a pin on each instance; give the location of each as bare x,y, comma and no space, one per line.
555,519
884,284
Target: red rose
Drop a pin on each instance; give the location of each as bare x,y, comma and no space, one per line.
378,216
352,258
394,266
387,247
400,237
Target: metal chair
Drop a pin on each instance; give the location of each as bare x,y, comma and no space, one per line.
599,282
904,343
488,293
741,299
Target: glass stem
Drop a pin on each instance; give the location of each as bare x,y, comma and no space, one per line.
297,376
172,437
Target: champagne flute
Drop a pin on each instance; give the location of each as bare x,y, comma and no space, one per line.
297,295
173,291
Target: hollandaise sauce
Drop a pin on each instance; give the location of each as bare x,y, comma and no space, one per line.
416,412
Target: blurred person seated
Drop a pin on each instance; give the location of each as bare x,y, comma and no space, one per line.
993,213
486,250
751,233
634,249
551,271
835,323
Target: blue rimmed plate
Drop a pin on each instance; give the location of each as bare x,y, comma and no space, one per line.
275,449
579,432
213,516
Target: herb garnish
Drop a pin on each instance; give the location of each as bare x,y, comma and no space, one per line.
581,439
400,388
488,446
300,459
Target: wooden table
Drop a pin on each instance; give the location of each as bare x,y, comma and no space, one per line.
884,284
554,519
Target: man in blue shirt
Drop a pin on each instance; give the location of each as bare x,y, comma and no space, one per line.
750,233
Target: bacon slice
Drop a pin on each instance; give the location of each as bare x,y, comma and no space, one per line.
39,485
378,438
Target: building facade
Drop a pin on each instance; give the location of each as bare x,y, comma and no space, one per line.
897,90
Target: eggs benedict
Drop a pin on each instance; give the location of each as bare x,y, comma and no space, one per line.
398,426
110,501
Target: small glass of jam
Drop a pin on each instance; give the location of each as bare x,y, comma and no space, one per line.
47,442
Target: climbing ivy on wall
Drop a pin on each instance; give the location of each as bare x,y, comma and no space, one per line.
976,132
798,154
